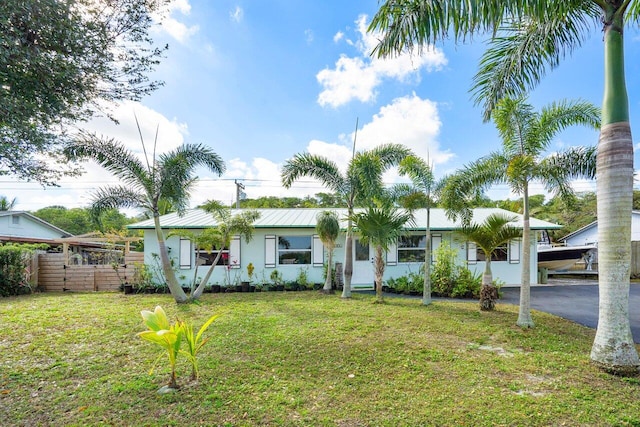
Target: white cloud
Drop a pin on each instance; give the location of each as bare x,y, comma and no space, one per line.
357,77
237,14
170,23
308,35
338,36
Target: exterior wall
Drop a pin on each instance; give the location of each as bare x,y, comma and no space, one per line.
26,228
53,275
254,252
585,237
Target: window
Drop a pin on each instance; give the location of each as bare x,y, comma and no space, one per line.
362,251
294,249
500,254
207,256
15,220
411,248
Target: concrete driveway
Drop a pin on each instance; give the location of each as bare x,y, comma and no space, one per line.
576,300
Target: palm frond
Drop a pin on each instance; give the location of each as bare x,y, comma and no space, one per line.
117,197
317,167
525,49
561,114
557,170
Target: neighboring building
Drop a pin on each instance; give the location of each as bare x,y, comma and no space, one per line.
286,240
588,235
23,227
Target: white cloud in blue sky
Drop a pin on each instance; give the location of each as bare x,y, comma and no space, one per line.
237,14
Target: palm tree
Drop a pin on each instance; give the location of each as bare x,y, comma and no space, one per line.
328,228
526,135
169,178
424,183
380,226
6,204
363,177
489,236
529,38
228,225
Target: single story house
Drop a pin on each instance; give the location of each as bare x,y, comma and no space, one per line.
23,227
286,240
588,235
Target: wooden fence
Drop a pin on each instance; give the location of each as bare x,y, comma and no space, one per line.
54,275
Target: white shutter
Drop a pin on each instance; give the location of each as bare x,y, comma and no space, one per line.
317,251
472,253
514,251
270,251
185,253
392,254
436,239
234,252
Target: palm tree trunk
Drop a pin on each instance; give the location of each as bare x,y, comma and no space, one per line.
200,289
327,289
379,273
348,260
169,274
426,291
524,315
613,348
488,293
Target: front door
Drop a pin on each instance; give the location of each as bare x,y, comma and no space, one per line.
363,276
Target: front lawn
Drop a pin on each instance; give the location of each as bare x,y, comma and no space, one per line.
300,358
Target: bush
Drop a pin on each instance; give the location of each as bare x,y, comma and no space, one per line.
14,273
451,280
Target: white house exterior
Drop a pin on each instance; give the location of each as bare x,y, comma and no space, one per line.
285,240
588,235
20,226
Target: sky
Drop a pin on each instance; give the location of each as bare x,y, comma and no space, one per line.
258,81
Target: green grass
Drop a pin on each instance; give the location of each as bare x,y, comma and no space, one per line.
300,358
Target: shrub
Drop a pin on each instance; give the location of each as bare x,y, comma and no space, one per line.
14,271
451,280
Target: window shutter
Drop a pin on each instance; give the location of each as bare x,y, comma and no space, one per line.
185,253
318,251
392,254
472,253
514,251
270,251
234,252
436,239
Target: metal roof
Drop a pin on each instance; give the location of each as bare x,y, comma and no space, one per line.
306,218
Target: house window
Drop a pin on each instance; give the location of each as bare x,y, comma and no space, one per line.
411,248
15,220
294,249
500,254
207,256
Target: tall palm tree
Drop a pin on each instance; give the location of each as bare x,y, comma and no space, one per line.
145,185
526,135
489,236
380,226
362,178
421,175
529,38
328,229
228,224
6,204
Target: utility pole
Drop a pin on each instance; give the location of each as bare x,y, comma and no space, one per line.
239,193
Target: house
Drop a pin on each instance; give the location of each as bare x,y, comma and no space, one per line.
23,227
285,240
588,235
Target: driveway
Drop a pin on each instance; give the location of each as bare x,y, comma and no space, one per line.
575,301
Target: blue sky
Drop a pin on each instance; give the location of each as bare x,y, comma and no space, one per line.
259,81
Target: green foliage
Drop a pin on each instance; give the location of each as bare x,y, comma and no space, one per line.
302,278
449,279
14,274
276,277
170,338
62,61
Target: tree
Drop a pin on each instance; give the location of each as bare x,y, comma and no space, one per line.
529,38
169,177
363,177
380,226
6,204
489,236
526,136
423,180
61,62
228,224
328,229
